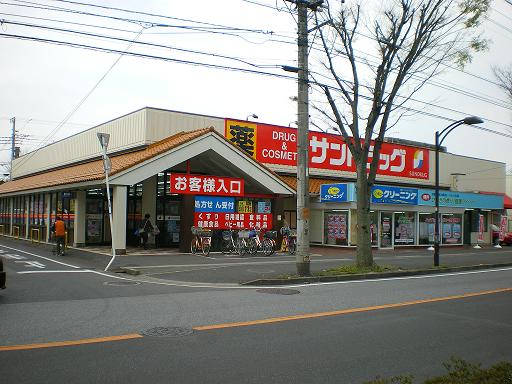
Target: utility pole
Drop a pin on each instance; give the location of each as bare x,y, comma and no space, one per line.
302,257
13,144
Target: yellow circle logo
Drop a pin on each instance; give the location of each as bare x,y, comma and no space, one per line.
378,193
333,191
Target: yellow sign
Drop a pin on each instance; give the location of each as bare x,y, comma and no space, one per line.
245,206
243,135
378,193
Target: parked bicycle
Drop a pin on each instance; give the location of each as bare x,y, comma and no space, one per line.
242,243
201,240
255,243
229,241
290,239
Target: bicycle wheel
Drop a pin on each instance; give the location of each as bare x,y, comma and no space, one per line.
193,245
292,246
205,245
267,247
225,247
242,247
252,246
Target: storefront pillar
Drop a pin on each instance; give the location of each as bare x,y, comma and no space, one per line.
26,217
48,221
149,201
80,219
119,213
187,221
11,214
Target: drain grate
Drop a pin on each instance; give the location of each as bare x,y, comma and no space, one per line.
278,291
121,283
168,332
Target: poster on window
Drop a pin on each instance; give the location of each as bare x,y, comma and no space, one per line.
404,230
337,229
452,229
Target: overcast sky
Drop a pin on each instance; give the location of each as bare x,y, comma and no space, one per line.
44,85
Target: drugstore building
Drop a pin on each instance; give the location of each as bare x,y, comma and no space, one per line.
187,169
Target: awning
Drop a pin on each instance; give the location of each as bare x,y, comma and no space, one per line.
507,202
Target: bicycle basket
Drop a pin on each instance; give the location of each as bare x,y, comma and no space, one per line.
244,234
292,233
226,235
195,230
253,233
270,234
285,231
205,233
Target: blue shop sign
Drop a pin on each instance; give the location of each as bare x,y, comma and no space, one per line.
214,204
383,194
333,193
460,199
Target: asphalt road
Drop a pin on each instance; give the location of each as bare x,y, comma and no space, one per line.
326,333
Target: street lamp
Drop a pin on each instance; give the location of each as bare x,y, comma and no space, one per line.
107,166
440,136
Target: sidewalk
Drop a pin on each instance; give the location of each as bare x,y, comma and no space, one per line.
171,265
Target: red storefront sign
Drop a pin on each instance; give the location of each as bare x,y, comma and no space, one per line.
272,144
206,185
218,220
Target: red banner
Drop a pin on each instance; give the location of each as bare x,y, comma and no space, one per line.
217,220
206,185
272,144
503,227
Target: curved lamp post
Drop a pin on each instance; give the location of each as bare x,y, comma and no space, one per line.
440,136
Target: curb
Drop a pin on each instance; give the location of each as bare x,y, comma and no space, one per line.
371,276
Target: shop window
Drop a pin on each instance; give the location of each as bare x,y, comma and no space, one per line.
452,229
374,228
405,228
427,223
336,228
291,218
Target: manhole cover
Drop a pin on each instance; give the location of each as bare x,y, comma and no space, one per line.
278,291
168,332
121,283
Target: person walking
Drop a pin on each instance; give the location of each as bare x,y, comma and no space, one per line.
59,232
144,228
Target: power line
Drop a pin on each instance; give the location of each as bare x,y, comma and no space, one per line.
68,116
207,65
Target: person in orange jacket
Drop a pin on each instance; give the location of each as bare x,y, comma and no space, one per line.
59,231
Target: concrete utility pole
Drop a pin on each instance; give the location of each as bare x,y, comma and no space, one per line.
13,144
303,214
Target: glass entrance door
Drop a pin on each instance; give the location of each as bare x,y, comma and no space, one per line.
386,230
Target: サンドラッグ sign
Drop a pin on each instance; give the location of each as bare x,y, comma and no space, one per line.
276,145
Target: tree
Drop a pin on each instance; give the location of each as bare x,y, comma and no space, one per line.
412,40
504,77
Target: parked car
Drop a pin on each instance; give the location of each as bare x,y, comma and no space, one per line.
2,274
507,239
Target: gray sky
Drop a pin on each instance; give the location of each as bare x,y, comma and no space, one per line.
43,84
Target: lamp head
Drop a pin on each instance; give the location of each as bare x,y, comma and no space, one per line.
470,120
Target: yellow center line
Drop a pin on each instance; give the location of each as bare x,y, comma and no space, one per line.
253,322
70,342
345,311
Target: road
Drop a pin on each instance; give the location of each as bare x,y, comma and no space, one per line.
345,332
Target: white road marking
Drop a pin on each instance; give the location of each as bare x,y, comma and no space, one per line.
29,263
42,257
72,271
